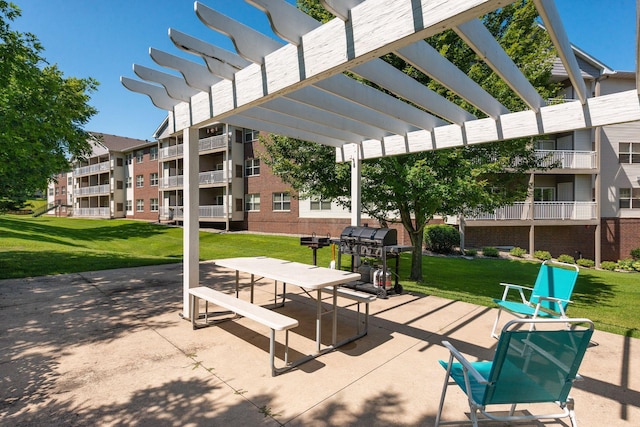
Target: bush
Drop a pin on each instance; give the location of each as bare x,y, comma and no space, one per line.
542,255
490,251
586,263
608,265
518,252
636,265
471,252
625,264
566,259
635,254
441,238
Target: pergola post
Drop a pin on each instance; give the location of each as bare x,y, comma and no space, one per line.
191,203
356,192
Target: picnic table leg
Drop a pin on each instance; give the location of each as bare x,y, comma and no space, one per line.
318,319
237,283
334,337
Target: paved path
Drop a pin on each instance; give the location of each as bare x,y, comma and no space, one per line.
109,348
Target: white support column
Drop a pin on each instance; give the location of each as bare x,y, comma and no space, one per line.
356,175
191,238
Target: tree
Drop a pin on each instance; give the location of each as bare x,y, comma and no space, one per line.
412,189
41,115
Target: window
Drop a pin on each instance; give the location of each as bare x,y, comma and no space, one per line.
281,202
129,182
252,202
139,205
239,171
250,135
153,204
129,206
119,161
544,194
139,156
153,153
119,185
238,136
69,181
51,191
252,167
57,191
629,198
63,190
129,158
629,152
238,205
119,207
139,181
153,178
320,205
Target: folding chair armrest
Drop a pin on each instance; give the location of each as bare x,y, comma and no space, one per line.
519,288
548,298
465,363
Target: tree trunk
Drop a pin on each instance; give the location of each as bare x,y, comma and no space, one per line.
416,256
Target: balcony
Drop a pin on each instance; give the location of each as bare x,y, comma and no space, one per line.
212,177
567,159
91,169
92,212
93,190
213,143
521,211
171,151
171,181
177,212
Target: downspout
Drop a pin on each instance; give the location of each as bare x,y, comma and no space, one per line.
597,183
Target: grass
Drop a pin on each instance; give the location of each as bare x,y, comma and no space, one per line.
48,245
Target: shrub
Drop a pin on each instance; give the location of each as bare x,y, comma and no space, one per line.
587,263
542,255
517,252
636,265
625,264
490,251
471,252
635,254
566,259
441,238
608,265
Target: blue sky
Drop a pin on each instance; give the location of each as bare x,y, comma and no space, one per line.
103,38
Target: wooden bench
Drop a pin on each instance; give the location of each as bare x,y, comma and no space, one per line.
359,297
273,320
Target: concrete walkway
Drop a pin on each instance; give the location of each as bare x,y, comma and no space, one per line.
109,348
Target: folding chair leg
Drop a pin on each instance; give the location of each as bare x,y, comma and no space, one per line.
444,391
495,324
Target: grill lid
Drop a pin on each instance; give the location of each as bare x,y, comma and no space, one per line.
370,235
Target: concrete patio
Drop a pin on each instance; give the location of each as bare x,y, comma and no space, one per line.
109,348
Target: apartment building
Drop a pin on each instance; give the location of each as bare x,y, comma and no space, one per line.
119,179
588,204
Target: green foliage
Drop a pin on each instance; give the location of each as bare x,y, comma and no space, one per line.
542,255
625,264
635,253
42,114
471,252
566,259
608,265
517,252
441,238
587,263
490,251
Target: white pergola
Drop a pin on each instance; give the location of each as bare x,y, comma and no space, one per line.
299,89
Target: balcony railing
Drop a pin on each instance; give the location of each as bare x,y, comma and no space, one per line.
171,151
177,212
539,211
568,159
96,168
171,181
213,142
93,212
93,189
212,177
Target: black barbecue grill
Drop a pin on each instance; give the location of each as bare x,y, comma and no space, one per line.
371,242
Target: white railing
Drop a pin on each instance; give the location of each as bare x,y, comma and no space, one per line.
93,189
98,167
213,142
177,212
171,151
171,181
568,159
95,212
541,211
212,177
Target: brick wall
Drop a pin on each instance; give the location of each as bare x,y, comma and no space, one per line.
147,191
619,237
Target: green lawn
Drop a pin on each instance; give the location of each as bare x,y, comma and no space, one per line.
48,245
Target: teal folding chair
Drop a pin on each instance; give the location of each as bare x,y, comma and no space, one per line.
549,296
530,366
